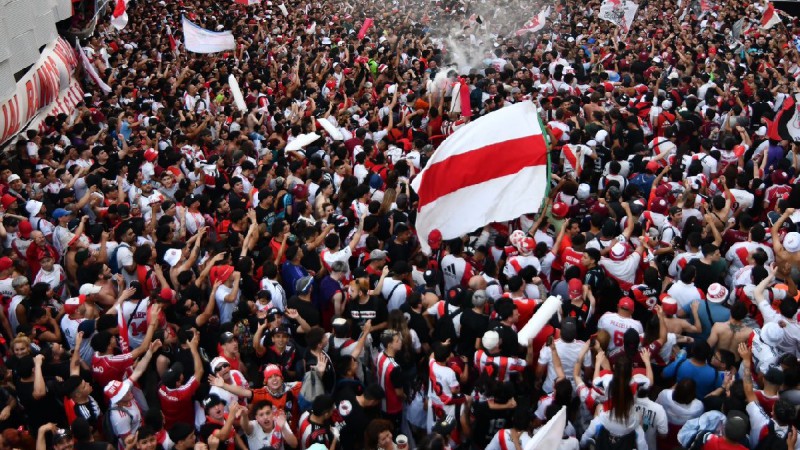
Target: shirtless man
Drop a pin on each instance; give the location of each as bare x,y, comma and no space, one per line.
788,249
678,325
728,335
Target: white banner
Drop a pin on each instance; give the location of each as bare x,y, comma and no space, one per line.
619,12
46,83
200,40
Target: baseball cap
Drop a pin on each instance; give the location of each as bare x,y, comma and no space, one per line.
166,294
303,285
490,340
89,289
280,330
560,210
13,177
60,212
33,207
212,401
25,228
172,256
575,288
772,334
569,329
72,304
6,263
625,303
226,337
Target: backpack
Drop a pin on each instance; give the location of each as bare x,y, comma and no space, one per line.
334,352
772,441
108,426
113,264
643,182
311,389
606,441
445,328
699,440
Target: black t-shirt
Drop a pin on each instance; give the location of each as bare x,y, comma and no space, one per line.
509,346
354,417
308,312
40,411
374,309
417,323
488,422
706,275
399,252
473,325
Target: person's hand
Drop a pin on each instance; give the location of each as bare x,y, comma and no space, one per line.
213,441
5,414
600,358
336,433
385,271
130,441
127,293
217,284
645,353
745,353
279,419
322,364
788,212
50,427
216,381
292,314
155,345
367,326
791,438
194,344
38,360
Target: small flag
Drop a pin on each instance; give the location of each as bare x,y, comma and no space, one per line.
199,40
173,44
536,23
620,13
119,18
770,17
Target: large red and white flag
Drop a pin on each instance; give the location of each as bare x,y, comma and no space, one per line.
551,434
619,12
770,17
247,2
119,18
536,23
91,71
491,170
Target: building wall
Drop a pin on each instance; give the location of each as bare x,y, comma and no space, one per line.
25,26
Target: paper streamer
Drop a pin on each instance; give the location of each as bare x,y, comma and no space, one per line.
539,320
331,129
238,98
283,9
363,31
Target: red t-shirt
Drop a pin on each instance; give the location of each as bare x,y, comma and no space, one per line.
106,368
176,404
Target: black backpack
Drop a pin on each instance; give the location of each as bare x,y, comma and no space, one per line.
445,328
607,441
772,441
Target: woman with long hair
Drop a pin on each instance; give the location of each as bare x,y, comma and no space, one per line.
408,356
617,419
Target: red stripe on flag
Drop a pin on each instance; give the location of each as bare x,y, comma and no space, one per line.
119,9
481,165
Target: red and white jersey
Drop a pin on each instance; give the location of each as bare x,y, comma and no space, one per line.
505,365
679,262
126,420
739,252
443,383
132,319
774,193
177,404
516,263
616,326
660,145
573,155
449,127
624,272
106,368
328,257
311,433
457,271
386,365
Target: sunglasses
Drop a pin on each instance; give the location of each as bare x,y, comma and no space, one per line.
222,367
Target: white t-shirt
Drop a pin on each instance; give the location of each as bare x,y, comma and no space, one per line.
260,439
135,315
616,326
568,352
678,413
653,419
225,308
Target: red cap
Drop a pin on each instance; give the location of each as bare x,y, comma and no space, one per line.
435,239
221,273
25,228
669,305
72,304
6,263
659,205
272,370
527,244
150,154
575,288
168,295
7,200
599,208
652,166
625,303
560,210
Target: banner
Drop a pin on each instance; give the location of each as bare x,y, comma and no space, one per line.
199,40
536,23
40,88
619,12
90,69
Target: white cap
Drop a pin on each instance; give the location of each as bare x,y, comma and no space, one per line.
33,207
772,334
13,177
761,131
490,340
218,361
791,242
717,293
172,256
583,191
89,289
667,104
601,136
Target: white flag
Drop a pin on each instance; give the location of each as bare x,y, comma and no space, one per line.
551,434
119,17
90,69
619,12
200,40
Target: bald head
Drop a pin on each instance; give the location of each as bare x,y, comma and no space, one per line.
477,282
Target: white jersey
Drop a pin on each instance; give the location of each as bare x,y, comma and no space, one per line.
276,292
616,326
515,264
70,329
135,315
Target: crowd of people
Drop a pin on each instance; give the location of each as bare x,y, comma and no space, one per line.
177,275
